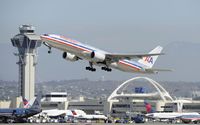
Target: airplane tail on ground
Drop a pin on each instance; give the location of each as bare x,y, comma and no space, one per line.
150,60
33,103
148,107
37,102
28,104
74,113
25,102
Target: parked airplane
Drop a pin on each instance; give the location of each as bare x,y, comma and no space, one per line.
165,115
70,114
52,113
80,114
20,114
190,119
74,51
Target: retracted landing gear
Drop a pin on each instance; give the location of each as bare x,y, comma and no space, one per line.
90,68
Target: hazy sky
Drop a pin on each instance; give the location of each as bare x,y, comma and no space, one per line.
126,26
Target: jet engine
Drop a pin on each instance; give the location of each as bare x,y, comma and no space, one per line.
98,57
70,57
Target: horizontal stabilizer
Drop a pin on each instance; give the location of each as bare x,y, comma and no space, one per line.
158,70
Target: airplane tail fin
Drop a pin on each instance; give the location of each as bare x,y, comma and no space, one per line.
148,107
74,112
28,104
150,60
78,113
37,102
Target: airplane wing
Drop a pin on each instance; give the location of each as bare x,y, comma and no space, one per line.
130,56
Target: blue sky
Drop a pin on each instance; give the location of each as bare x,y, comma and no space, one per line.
115,25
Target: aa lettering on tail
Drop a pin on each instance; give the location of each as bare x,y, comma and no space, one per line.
149,59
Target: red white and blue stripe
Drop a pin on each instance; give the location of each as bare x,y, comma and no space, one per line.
67,41
131,64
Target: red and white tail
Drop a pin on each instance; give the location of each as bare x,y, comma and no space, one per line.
74,113
26,103
150,60
148,107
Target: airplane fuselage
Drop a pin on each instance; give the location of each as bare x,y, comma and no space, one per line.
83,51
170,115
18,113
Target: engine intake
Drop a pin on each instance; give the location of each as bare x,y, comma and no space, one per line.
70,57
97,57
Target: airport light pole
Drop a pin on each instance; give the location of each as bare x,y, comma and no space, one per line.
27,43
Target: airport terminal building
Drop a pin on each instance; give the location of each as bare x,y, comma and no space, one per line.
124,101
127,99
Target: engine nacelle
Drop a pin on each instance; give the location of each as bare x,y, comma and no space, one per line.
98,57
70,57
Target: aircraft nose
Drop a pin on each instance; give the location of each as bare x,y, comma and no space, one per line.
45,34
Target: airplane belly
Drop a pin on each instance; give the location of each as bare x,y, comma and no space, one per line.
64,47
121,67
125,68
74,50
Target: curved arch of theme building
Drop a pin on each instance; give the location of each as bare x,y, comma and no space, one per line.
164,95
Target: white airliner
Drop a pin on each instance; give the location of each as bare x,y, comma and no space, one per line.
169,115
80,114
166,115
74,51
56,113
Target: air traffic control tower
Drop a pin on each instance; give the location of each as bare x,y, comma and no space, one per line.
26,42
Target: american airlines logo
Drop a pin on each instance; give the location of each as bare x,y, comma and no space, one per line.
149,59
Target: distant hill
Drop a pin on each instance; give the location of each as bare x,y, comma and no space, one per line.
98,89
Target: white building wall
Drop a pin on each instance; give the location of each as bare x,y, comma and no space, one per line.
29,76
